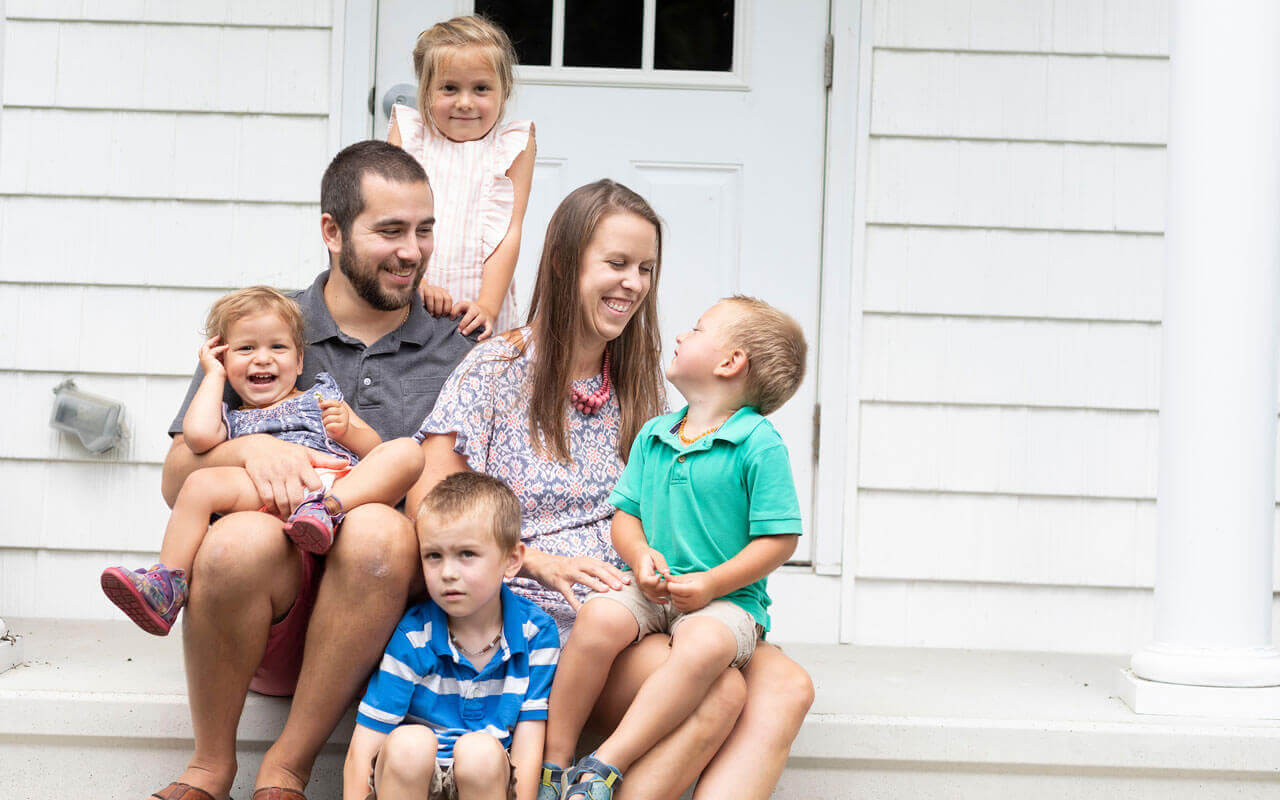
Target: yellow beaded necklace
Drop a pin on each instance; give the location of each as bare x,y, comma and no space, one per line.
686,440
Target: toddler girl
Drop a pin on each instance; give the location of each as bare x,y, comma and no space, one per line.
255,345
480,170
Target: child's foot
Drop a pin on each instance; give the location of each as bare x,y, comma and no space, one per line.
151,597
310,526
550,781
591,779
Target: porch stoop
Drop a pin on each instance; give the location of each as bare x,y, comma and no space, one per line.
99,709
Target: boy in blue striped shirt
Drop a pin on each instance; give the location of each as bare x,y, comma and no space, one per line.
458,706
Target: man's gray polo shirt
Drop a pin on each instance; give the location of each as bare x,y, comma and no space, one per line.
392,384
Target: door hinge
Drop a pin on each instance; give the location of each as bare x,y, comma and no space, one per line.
371,89
817,430
828,61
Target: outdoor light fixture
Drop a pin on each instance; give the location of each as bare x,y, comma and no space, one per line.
93,419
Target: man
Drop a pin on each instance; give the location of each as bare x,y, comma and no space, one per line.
263,615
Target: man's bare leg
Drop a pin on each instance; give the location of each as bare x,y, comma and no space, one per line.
246,574
361,597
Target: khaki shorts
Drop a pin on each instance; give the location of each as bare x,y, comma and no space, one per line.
664,618
443,786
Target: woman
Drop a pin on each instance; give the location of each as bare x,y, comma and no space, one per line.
551,409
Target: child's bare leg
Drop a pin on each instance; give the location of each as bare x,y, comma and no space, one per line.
212,490
406,763
481,769
701,649
602,631
383,476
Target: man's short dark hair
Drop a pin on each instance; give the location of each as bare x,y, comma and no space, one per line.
340,195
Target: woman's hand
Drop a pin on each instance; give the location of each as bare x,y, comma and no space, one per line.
562,572
474,315
653,576
435,299
211,356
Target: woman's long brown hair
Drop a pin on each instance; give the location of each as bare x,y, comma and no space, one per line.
555,315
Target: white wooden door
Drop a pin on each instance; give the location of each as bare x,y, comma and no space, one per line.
730,157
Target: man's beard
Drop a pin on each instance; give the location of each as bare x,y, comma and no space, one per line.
366,284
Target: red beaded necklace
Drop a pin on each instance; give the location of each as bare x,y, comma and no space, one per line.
591,403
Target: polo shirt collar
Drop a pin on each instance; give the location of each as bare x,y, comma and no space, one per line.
513,638
734,430
417,327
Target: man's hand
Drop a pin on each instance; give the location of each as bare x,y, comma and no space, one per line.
691,591
336,416
652,576
283,472
435,299
474,315
211,356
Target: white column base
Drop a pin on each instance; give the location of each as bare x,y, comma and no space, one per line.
1240,667
1179,700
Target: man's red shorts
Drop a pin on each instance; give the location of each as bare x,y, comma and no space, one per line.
277,675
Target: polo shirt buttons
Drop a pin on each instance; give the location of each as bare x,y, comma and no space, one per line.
680,459
368,381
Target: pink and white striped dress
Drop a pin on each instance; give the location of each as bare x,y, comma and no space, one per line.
473,201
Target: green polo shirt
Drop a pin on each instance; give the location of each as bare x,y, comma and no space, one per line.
701,504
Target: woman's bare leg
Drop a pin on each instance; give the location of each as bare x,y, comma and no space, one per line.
673,765
213,490
779,693
383,476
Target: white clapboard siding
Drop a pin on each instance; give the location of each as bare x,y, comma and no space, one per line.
1035,362
1041,185
1029,97
82,328
72,505
276,13
1137,27
124,242
150,404
166,67
1104,276
152,155
161,155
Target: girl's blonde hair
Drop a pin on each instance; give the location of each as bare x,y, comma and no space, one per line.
232,308
440,39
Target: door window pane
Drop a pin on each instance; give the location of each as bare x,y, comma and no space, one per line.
603,33
527,22
694,34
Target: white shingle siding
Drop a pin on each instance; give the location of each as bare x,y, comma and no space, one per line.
1010,339
152,155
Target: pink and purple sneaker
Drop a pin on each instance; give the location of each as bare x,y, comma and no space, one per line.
311,527
151,597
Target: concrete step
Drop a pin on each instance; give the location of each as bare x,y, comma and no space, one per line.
101,706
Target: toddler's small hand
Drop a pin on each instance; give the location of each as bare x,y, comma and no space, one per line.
653,576
474,316
435,299
336,417
211,356
691,591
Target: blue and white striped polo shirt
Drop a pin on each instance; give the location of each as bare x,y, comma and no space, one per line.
424,680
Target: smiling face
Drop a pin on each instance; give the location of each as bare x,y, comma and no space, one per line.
465,97
464,566
386,253
262,360
615,275
700,350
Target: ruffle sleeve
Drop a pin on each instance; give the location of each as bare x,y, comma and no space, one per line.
412,129
467,404
326,387
499,196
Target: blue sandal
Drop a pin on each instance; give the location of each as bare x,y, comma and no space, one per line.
591,779
550,781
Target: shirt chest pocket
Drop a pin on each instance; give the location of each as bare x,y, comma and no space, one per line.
419,397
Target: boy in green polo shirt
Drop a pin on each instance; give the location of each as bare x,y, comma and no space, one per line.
707,509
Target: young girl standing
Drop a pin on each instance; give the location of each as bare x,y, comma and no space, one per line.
480,169
255,345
